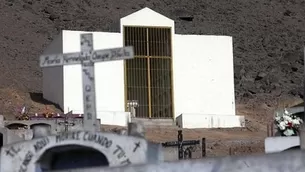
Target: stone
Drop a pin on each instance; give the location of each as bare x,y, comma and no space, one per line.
76,150
279,144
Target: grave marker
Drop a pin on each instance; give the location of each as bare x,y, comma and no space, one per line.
66,122
187,152
87,57
78,149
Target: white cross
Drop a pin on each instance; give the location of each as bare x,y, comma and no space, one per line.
87,57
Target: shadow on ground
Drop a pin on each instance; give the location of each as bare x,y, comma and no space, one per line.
38,98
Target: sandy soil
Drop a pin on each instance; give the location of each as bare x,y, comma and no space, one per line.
268,53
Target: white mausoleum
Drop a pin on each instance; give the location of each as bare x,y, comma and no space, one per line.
187,78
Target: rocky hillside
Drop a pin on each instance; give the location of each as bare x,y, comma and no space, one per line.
268,40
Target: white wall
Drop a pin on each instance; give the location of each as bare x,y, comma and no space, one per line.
190,121
52,80
146,17
109,76
203,75
202,71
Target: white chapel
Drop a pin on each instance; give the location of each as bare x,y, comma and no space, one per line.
185,78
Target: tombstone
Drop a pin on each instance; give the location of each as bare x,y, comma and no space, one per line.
182,149
78,149
20,130
278,144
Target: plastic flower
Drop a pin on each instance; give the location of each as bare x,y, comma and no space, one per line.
286,112
295,122
277,118
287,118
282,125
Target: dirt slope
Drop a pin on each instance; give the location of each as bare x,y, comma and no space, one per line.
268,44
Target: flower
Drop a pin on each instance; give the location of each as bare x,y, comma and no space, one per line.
282,125
287,123
277,118
287,118
286,112
295,122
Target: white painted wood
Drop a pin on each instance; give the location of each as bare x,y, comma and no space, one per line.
86,58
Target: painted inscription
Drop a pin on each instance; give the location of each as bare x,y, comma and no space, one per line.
89,91
26,161
12,151
75,58
119,152
51,60
40,144
112,54
95,56
121,155
86,136
137,145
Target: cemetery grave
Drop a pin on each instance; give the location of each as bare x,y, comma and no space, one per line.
85,146
45,18
185,147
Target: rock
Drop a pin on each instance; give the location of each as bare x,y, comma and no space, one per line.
248,95
287,13
292,56
276,91
48,10
294,69
260,76
53,17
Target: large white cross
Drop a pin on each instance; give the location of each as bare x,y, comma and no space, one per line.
87,57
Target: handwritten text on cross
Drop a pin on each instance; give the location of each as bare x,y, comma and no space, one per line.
87,57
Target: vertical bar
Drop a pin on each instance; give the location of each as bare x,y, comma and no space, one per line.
148,74
180,145
88,84
125,40
203,148
135,82
158,71
149,87
163,70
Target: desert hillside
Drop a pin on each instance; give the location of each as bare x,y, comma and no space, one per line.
268,43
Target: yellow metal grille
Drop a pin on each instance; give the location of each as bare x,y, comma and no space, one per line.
148,76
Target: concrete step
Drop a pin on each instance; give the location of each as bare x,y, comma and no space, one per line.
155,122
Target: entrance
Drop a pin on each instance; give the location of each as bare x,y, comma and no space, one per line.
148,77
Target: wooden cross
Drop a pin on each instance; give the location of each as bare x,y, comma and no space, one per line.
66,121
87,57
